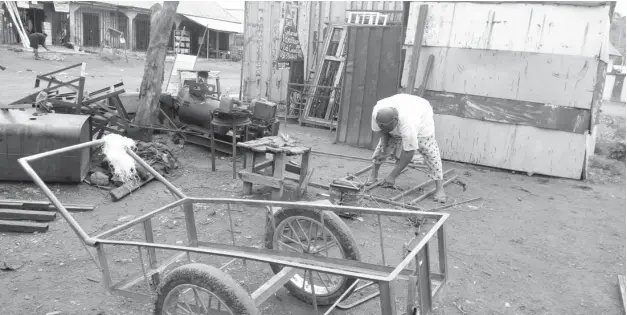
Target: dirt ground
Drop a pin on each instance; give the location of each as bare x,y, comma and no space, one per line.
535,245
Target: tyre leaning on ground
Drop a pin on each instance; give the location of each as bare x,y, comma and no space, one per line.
211,279
338,229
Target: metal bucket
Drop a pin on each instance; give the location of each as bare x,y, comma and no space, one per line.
24,133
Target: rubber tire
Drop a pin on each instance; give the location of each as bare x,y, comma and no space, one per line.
342,233
211,279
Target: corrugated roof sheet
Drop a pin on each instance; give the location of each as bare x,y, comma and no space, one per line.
217,25
205,9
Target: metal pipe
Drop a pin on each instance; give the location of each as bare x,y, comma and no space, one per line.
156,174
141,219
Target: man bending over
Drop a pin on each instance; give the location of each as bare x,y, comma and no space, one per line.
406,120
37,39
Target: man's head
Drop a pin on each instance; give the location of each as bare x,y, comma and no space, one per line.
387,119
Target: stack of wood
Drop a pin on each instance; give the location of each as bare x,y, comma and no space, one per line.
26,216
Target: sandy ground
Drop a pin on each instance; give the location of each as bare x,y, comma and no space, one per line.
536,245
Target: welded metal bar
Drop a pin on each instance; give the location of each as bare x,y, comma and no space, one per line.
359,302
388,304
190,223
317,207
83,236
140,219
443,263
104,267
60,70
313,292
400,267
141,262
148,232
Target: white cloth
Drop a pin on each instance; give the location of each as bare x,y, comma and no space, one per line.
415,119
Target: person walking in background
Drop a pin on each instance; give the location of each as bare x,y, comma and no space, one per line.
37,39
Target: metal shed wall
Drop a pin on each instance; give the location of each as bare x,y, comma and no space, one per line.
514,85
262,36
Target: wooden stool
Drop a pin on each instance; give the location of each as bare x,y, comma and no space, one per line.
257,149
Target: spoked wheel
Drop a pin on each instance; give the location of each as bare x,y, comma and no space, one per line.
198,289
301,231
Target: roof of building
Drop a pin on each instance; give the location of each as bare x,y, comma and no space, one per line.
204,9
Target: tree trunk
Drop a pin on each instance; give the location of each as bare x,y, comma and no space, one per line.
161,20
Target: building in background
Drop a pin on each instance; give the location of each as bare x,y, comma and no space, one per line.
204,28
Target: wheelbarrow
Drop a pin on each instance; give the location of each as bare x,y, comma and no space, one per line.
310,250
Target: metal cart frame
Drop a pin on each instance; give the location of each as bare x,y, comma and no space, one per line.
423,282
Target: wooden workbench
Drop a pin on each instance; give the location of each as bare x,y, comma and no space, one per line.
256,150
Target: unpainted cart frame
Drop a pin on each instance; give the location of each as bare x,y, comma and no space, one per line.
424,283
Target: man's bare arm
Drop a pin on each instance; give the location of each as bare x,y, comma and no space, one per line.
404,160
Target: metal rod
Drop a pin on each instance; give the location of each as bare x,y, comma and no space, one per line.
427,194
381,240
456,204
313,292
141,261
425,183
342,297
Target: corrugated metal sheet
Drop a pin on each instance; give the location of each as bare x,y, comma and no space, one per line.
529,27
208,9
507,53
217,25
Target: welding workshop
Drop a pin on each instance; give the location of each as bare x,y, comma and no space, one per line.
322,157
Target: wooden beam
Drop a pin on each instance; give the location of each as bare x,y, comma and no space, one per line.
126,189
41,205
19,214
415,51
23,227
259,179
273,285
425,77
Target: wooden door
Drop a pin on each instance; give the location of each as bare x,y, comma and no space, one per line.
371,73
142,34
91,30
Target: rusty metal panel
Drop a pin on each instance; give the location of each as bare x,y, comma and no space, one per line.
23,134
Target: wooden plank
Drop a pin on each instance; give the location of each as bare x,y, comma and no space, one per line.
513,147
258,179
541,78
41,205
525,27
513,112
270,287
19,214
389,69
358,84
621,284
23,227
373,79
425,78
128,188
347,84
416,47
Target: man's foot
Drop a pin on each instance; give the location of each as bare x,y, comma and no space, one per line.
440,197
371,181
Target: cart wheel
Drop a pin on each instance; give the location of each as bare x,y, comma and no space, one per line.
202,289
301,231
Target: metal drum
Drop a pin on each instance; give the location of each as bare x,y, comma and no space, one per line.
24,133
195,110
